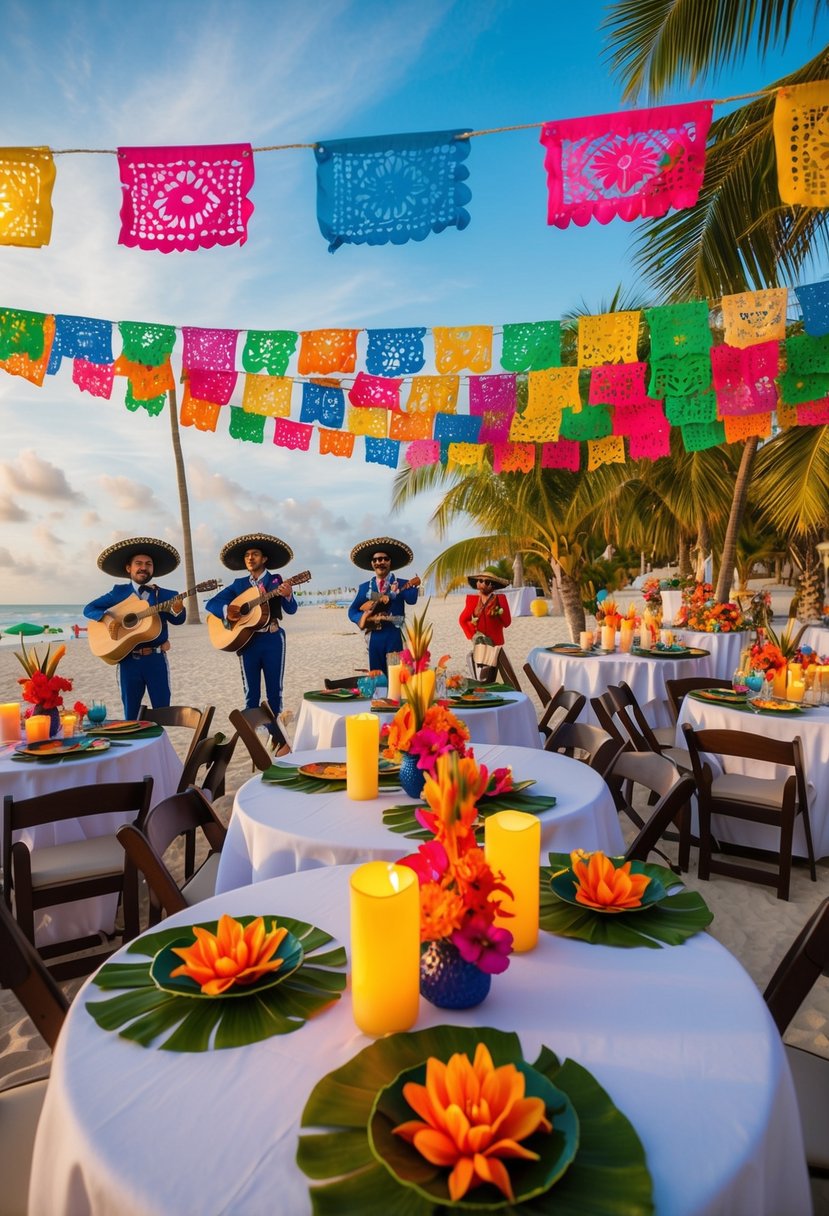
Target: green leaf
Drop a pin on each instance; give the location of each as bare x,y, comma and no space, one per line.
401,818
149,1016
609,1176
670,922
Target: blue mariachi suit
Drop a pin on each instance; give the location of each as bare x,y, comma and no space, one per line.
138,673
264,653
388,638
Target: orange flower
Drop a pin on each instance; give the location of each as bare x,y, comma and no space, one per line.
401,729
442,911
233,955
472,1115
452,794
602,885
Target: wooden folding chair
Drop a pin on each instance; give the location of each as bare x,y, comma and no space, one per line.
187,717
678,689
672,792
22,971
594,746
564,706
41,877
765,800
145,845
804,962
247,722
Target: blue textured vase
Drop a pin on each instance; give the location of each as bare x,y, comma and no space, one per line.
411,777
448,980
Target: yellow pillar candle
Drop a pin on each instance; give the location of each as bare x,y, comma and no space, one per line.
37,728
385,947
512,841
586,639
779,683
394,681
626,636
10,722
362,756
608,637
795,671
425,680
69,722
796,690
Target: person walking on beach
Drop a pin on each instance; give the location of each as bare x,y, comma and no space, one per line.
262,655
486,612
144,668
379,607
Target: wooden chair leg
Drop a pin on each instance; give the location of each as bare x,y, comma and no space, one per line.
704,866
786,838
683,822
810,848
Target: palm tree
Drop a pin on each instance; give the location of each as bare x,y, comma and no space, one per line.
739,236
193,617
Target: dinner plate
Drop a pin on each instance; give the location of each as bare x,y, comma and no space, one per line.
53,747
121,727
565,885
723,696
768,705
335,694
165,962
333,770
475,698
667,652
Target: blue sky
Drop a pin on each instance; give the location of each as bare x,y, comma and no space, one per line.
76,472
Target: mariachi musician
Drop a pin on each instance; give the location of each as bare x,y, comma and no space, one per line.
379,607
143,668
263,654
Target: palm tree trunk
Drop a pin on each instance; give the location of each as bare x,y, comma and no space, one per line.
684,556
184,504
735,519
569,589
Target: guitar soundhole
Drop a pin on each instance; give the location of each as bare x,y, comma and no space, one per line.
129,621
245,609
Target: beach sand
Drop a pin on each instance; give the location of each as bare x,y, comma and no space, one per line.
749,920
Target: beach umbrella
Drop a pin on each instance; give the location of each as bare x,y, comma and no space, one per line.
25,628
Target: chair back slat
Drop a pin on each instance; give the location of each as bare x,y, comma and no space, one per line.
806,959
678,689
22,971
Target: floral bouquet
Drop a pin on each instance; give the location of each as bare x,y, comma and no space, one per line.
458,891
765,656
607,613
41,687
652,595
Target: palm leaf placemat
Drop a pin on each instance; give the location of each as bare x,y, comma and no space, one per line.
679,915
151,731
608,1176
402,819
150,1016
289,777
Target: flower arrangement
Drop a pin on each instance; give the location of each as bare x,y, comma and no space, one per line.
457,888
607,613
765,656
788,640
40,685
702,613
651,594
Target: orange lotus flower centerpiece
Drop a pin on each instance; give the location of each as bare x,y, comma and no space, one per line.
473,1117
603,885
235,954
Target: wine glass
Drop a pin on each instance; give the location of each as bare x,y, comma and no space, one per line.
97,713
738,681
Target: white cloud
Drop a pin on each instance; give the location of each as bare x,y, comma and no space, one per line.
38,477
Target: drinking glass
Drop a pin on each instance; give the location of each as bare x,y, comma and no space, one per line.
755,682
738,681
456,683
97,712
366,686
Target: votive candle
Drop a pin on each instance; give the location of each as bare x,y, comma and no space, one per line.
362,756
385,947
626,635
37,728
796,690
394,681
69,722
512,842
10,722
608,637
586,639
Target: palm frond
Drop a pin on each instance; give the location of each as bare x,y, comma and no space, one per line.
654,44
791,481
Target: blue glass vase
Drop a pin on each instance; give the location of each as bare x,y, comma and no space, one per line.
411,777
448,980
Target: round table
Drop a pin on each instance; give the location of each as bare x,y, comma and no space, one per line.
142,757
133,1130
322,723
812,725
274,831
725,648
593,674
519,599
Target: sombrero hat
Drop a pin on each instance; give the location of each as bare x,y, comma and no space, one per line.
277,553
116,558
495,579
400,554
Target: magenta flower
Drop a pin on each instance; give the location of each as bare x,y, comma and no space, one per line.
429,863
428,745
500,782
485,945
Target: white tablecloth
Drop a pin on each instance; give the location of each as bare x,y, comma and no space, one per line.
592,676
322,723
813,728
816,636
679,1037
144,757
725,648
519,599
274,831
671,604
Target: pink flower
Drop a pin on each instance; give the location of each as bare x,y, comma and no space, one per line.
499,783
483,944
428,745
624,163
429,863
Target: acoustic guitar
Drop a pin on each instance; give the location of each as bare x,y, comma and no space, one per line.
233,635
139,624
373,618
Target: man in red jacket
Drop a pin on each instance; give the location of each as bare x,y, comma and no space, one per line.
486,612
